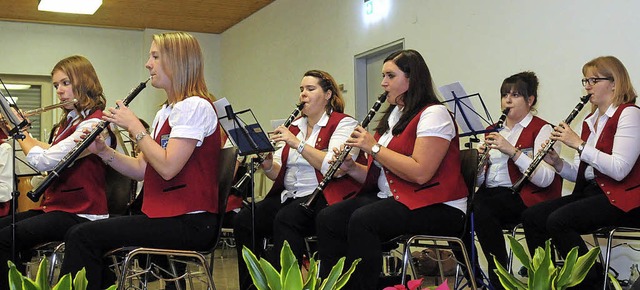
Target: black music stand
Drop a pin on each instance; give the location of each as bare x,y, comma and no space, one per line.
14,133
472,123
250,139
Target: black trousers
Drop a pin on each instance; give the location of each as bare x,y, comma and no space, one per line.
360,225
493,209
32,228
283,221
565,219
86,243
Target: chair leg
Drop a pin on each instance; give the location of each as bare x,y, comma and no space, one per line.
607,261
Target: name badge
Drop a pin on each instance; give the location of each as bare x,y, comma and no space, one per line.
164,140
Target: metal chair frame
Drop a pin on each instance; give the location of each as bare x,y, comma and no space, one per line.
610,234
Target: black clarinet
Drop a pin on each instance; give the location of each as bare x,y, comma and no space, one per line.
308,204
236,188
484,159
68,159
540,156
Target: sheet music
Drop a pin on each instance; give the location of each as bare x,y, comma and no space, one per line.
249,138
456,99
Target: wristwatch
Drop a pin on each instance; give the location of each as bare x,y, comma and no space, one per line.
140,135
581,147
375,149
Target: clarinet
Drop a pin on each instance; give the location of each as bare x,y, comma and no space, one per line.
308,204
540,156
485,156
247,176
68,159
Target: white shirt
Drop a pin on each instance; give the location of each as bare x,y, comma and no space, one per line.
498,172
6,172
47,159
435,121
625,147
191,118
300,177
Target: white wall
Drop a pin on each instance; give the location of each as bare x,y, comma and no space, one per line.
117,55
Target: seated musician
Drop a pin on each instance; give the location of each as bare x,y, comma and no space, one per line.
605,167
297,169
78,194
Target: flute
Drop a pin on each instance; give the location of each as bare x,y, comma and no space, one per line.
517,186
485,156
68,159
37,111
308,204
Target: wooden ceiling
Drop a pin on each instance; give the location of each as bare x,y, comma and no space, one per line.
209,16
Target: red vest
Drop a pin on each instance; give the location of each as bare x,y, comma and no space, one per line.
530,193
195,188
624,194
447,184
81,188
337,189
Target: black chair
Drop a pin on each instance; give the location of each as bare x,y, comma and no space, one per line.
469,163
125,258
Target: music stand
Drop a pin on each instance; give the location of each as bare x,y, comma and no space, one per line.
250,139
14,133
471,122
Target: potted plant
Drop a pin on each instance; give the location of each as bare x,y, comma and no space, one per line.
543,274
19,282
265,276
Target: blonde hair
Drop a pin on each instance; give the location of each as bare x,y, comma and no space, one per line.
611,67
86,85
181,58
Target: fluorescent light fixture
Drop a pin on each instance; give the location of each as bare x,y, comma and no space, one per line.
70,6
17,87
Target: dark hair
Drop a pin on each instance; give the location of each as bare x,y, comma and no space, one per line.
419,94
328,83
524,83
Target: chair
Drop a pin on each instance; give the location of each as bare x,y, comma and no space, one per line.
117,190
124,258
610,233
469,163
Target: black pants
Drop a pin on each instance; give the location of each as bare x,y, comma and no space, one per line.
32,228
360,225
493,209
565,219
86,243
282,221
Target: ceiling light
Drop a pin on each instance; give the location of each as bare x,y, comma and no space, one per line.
70,6
17,87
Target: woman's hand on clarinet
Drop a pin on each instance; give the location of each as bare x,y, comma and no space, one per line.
361,138
98,145
282,133
552,158
123,117
267,163
566,135
347,164
496,141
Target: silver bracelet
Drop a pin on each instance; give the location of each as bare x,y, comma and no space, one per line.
110,159
301,146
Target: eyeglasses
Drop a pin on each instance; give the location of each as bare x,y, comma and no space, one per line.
593,81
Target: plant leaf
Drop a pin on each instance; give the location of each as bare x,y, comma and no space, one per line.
507,280
312,280
564,277
544,270
257,275
287,260
331,280
15,278
80,280
28,284
583,264
345,278
614,281
41,276
293,278
112,287
273,277
519,252
64,283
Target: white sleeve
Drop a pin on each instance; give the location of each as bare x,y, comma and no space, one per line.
193,118
437,122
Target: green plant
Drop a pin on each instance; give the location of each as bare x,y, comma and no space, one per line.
266,277
19,282
543,274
